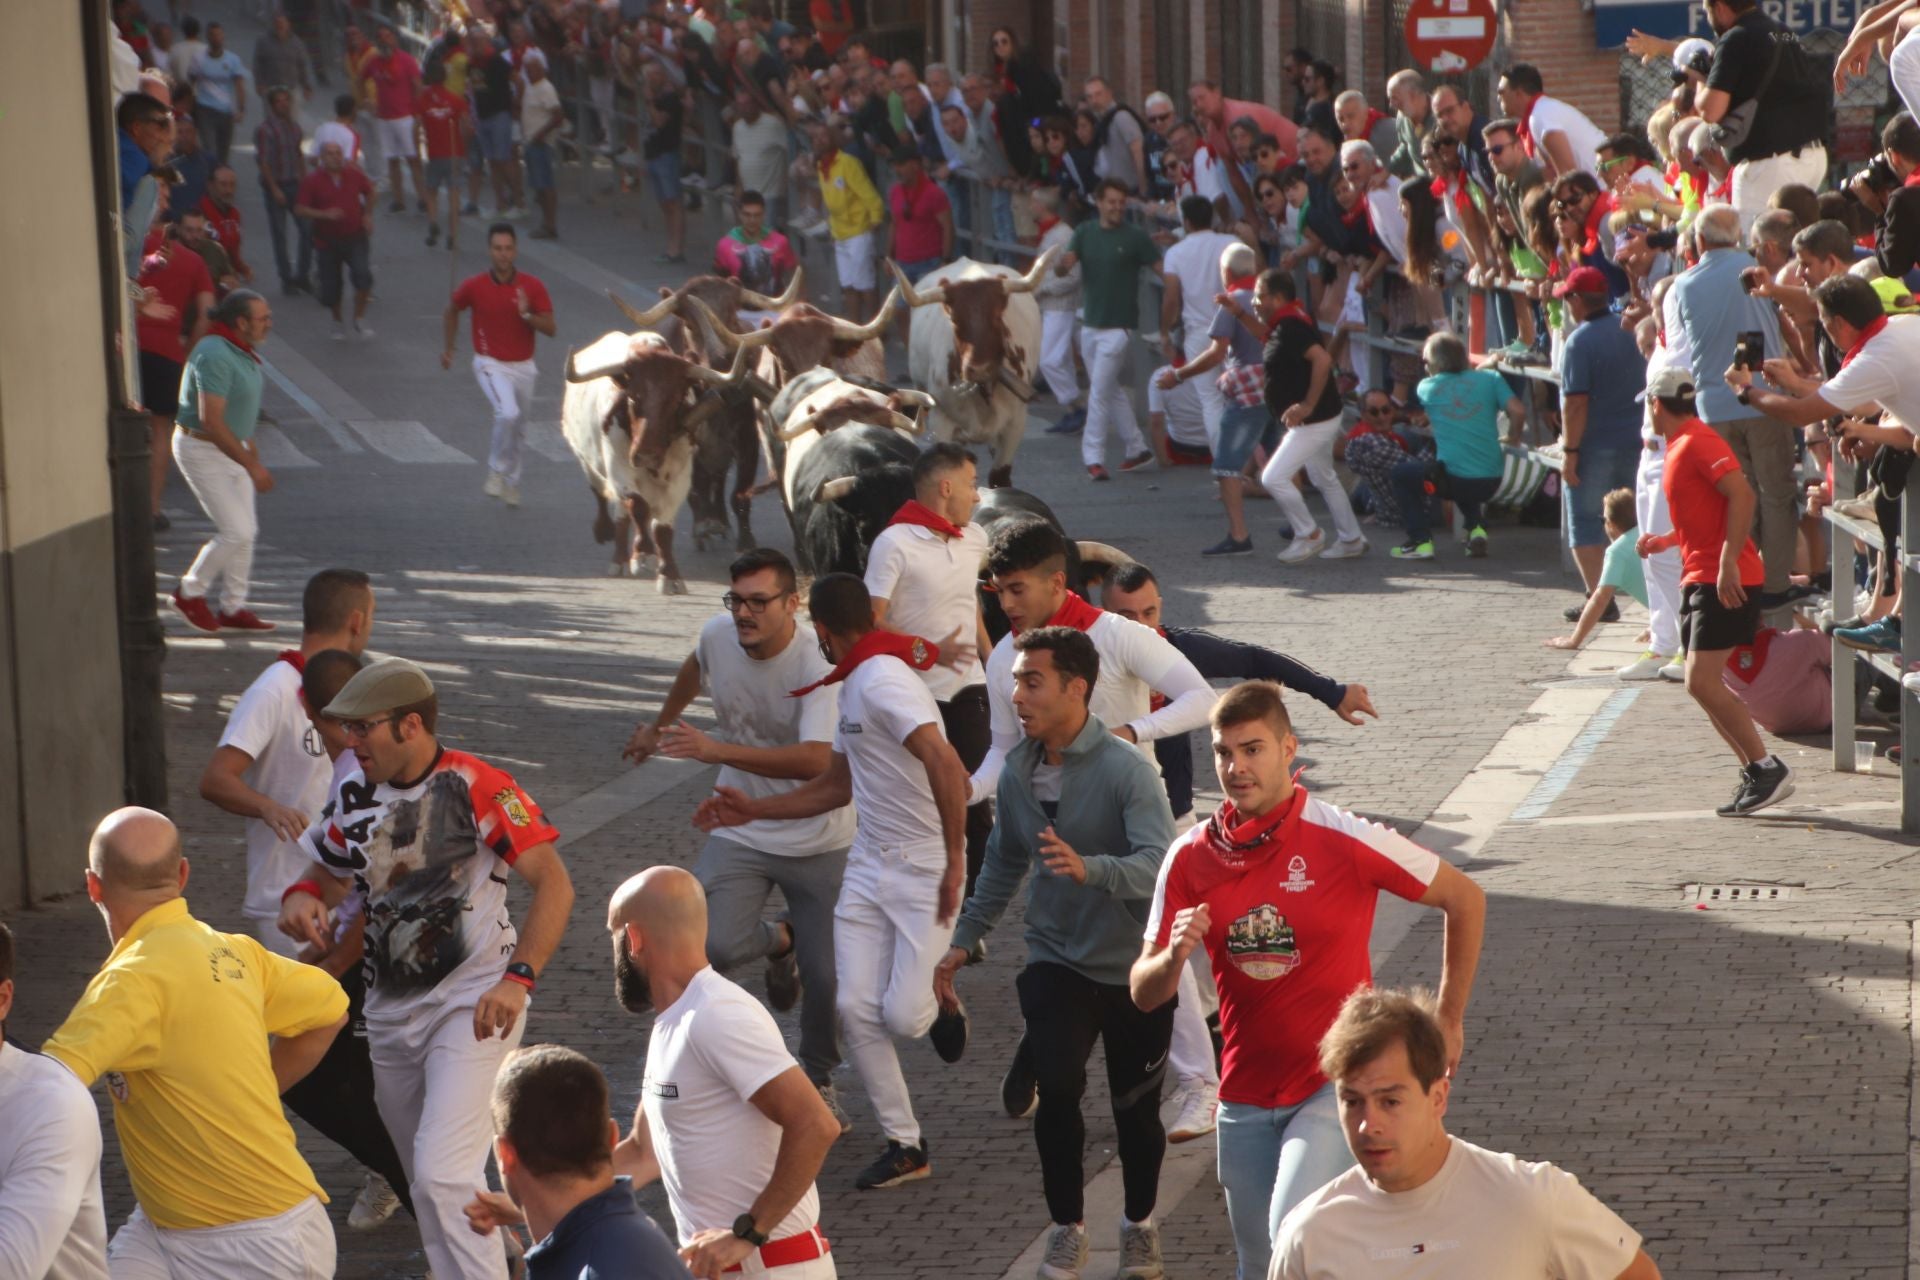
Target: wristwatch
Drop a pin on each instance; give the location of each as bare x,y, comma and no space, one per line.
743,1228
522,973
1741,395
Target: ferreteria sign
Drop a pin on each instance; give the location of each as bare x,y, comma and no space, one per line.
1615,20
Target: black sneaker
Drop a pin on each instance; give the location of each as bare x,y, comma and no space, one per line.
783,979
897,1164
949,1033
1767,785
1228,546
1573,611
1731,809
1019,1092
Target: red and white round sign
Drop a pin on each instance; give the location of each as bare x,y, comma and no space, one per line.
1450,36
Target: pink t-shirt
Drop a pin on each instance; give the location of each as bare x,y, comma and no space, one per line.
1785,678
1269,121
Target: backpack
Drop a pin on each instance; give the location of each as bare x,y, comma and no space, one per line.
1105,126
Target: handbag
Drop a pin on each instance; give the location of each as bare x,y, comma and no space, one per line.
1733,128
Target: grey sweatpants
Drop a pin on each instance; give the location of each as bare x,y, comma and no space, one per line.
737,880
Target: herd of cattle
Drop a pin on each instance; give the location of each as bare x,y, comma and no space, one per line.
713,375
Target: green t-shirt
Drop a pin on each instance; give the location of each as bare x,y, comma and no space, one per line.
1110,263
219,368
1622,570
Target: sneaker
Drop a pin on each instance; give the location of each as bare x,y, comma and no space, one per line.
783,979
198,613
1860,507
1230,546
1882,636
470,210
1675,671
1911,681
1830,624
831,1096
1097,472
1071,423
1767,785
395,206
1645,667
1411,550
1019,1092
1141,461
1066,1252
1573,611
1346,549
949,1033
495,486
363,332
374,1205
1731,808
1476,543
433,234
1301,550
897,1164
511,495
1140,1252
339,331
244,620
1794,593
1198,1113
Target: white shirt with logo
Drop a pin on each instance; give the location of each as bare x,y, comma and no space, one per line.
931,584
882,703
290,767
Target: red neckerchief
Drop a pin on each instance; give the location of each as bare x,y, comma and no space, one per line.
1602,206
1912,179
1725,190
1289,311
1867,335
914,511
1246,842
1750,659
1525,132
1045,225
1459,194
912,650
826,161
295,659
1075,613
1242,284
220,330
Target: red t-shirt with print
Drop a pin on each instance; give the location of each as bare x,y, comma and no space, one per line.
498,330
441,115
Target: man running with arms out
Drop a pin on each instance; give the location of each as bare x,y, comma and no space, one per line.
1503,1218
509,307
767,743
1280,889
907,866
427,836
1086,813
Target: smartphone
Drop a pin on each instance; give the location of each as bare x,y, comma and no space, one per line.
1749,350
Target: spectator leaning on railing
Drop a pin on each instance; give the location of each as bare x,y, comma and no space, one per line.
1556,136
1768,98
1414,118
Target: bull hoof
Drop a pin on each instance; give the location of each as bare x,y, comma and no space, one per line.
616,570
669,586
643,566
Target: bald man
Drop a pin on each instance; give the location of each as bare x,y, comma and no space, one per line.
727,1119
178,1020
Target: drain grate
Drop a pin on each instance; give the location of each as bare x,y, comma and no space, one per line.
1730,893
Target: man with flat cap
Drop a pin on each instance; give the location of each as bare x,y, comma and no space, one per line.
426,835
178,1021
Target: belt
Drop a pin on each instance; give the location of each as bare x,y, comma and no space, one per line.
194,435
805,1247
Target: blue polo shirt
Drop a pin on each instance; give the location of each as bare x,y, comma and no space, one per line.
1602,362
606,1237
1714,311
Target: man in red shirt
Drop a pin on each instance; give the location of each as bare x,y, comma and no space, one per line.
337,198
223,218
442,122
509,307
395,78
1280,889
920,236
182,288
1720,579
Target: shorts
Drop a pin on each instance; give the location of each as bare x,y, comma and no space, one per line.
439,173
853,260
540,166
663,175
493,137
915,271
396,138
1706,625
1242,427
160,383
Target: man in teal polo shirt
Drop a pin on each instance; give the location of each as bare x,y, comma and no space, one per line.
1113,251
214,447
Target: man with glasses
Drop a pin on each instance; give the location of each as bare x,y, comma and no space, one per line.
767,743
1455,118
1160,119
1413,122
426,836
1514,172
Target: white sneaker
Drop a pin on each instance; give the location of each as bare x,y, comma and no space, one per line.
362,332
1675,670
1066,1252
1645,667
1346,549
339,331
1140,1252
495,487
1198,1114
510,494
374,1205
1300,550
1911,680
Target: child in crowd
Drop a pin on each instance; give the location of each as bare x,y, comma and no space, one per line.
1620,571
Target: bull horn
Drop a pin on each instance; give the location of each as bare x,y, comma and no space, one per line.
913,296
1101,553
910,396
798,428
727,336
835,489
760,387
714,378
575,374
761,302
1035,274
901,421
642,319
848,331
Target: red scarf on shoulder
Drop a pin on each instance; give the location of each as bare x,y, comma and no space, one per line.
1867,335
1075,613
219,330
912,650
1289,311
914,511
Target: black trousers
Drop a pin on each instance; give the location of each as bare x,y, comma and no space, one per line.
1065,1012
336,1097
969,726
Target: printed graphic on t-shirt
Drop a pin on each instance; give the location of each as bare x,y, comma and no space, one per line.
756,268
1261,944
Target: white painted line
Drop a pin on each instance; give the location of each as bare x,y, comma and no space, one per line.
278,451
1574,758
340,404
1785,813
408,442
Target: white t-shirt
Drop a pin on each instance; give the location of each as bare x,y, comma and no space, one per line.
182,56
710,1052
1550,115
931,584
51,1221
1886,373
762,151
1209,177
1195,263
750,701
539,106
1389,222
881,704
290,767
1485,1216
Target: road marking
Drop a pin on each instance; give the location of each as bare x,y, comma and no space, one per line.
408,442
1785,813
278,451
300,368
1574,758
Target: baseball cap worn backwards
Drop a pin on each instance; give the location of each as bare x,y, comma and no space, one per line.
380,686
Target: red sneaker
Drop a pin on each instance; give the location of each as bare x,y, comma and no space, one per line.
198,613
1096,472
1141,461
245,620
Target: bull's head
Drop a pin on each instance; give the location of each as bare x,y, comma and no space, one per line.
803,338
976,309
664,397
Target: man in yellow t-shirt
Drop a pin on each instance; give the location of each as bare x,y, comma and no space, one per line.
178,1021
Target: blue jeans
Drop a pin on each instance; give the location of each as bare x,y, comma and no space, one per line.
1270,1159
1242,427
1416,504
291,267
1601,471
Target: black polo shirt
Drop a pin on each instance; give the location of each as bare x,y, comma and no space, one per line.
1793,113
1289,375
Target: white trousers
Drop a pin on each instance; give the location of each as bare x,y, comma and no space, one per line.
1663,570
1756,180
1191,1052
886,943
434,1084
1056,355
508,387
224,491
295,1245
1109,407
1310,447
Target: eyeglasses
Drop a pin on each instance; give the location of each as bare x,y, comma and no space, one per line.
1496,149
732,601
1356,167
1446,142
361,728
1160,118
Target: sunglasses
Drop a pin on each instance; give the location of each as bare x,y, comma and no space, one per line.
1496,150
1356,167
1160,118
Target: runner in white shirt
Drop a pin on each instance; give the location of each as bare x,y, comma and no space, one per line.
767,743
907,867
270,767
1191,270
52,1226
923,573
727,1120
1423,1204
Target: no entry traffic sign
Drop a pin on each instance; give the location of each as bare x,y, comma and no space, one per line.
1450,35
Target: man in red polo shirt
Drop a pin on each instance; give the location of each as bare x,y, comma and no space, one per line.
183,288
1280,889
442,121
395,77
223,218
1720,579
509,307
337,198
920,237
